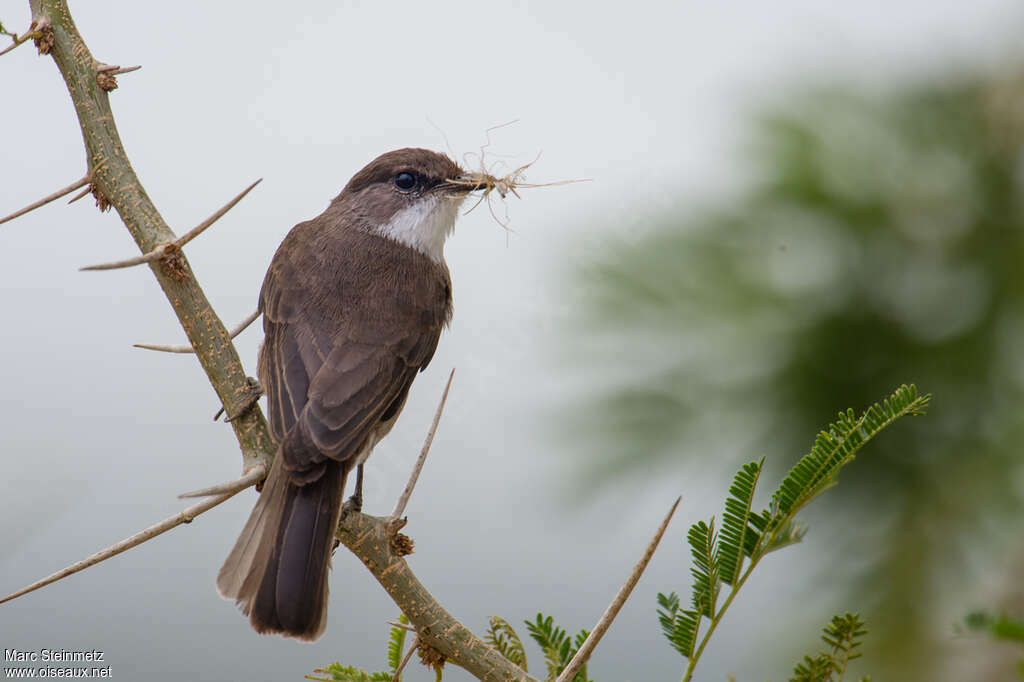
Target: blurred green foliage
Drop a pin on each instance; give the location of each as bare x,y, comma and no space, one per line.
881,241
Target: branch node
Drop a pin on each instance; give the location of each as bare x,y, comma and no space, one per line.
105,74
42,35
431,657
402,544
106,81
102,202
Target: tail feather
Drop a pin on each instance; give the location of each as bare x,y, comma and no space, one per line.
277,571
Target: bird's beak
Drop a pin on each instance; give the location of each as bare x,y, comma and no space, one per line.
462,184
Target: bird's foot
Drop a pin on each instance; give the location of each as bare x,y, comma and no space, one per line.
255,392
352,504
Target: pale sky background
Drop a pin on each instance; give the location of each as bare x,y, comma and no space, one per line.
97,438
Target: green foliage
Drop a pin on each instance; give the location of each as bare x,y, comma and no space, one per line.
719,559
843,635
836,446
503,638
738,538
704,548
348,673
396,644
875,234
678,625
1002,626
557,645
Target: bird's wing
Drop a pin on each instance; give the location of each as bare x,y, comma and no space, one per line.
332,366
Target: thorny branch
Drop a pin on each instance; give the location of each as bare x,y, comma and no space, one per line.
113,181
172,248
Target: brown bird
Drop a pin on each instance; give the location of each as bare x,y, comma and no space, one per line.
353,305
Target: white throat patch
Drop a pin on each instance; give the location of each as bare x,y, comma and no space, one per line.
425,225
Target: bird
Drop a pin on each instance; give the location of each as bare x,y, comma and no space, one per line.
353,305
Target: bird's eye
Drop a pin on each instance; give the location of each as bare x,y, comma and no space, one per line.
404,181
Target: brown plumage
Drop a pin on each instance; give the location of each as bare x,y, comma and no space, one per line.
353,305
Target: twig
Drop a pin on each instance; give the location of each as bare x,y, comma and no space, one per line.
47,199
184,516
32,32
252,477
241,327
418,467
167,247
405,659
605,622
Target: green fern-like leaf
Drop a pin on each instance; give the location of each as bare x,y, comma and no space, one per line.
551,639
703,547
396,645
817,669
348,673
843,635
557,645
737,539
837,445
678,625
502,637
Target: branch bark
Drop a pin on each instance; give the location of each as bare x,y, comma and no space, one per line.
113,176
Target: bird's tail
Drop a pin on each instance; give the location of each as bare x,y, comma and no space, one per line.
277,571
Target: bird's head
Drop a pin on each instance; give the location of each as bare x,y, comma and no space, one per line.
409,195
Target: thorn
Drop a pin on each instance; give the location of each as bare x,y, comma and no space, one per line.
577,662
184,516
81,194
241,327
251,477
399,624
115,70
150,256
47,199
403,500
166,248
105,75
397,677
198,229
